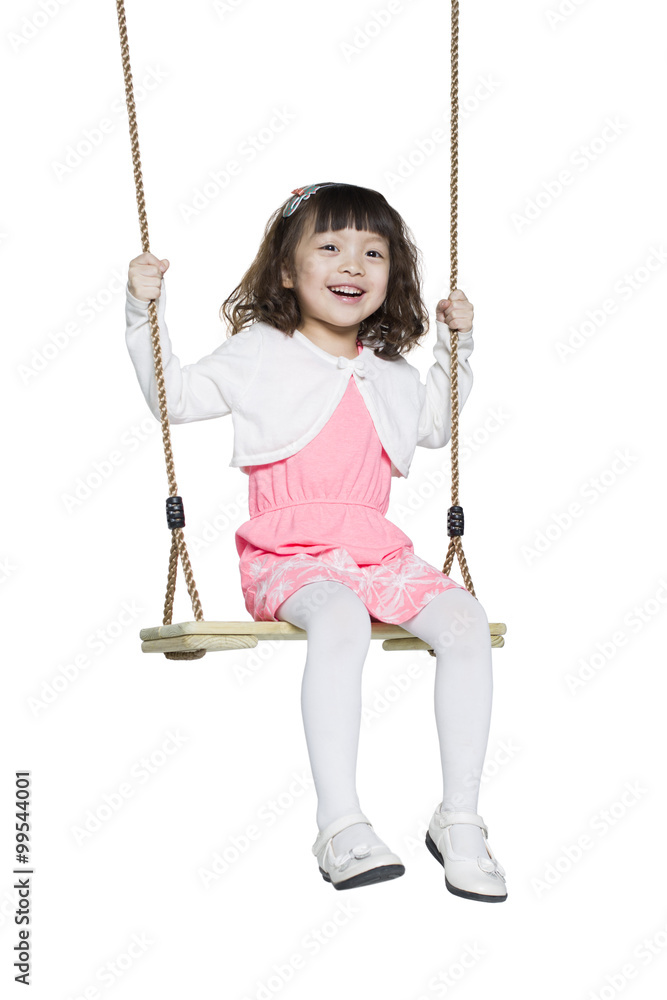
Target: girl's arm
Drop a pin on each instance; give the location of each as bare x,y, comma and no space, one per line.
435,421
197,391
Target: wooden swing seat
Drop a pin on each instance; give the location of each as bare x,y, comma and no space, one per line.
211,636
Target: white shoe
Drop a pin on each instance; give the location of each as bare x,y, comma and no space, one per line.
479,878
361,865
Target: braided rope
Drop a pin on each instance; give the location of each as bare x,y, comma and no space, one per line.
455,543
178,545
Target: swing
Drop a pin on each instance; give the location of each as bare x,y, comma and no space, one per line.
192,640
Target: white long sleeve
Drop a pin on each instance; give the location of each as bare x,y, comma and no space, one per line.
199,391
435,421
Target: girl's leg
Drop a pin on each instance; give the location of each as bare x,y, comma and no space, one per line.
338,628
454,623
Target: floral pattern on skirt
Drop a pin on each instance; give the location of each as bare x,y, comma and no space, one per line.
393,590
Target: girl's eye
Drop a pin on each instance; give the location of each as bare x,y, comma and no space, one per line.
327,245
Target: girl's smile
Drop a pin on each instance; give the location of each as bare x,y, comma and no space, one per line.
348,293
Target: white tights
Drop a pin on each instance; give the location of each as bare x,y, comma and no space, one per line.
338,628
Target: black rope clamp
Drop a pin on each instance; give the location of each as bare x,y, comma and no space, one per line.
455,521
175,513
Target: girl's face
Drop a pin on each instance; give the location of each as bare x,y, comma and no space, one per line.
349,259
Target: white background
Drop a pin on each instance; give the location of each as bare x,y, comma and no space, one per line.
538,95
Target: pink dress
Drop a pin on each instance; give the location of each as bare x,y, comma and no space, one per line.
320,515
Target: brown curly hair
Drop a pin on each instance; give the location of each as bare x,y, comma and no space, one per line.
394,328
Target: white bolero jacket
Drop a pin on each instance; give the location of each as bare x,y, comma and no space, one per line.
281,390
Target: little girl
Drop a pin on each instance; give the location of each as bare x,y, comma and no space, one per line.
325,411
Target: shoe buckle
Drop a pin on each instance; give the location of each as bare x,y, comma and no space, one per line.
342,860
491,866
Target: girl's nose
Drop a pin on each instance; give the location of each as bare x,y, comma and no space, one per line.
352,265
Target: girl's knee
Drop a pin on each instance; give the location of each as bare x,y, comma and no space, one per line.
329,607
464,621
468,605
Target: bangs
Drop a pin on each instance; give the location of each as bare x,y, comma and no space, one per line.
345,206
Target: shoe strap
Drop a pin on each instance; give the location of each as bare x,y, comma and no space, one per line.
447,817
336,826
